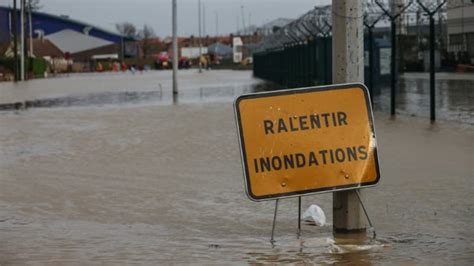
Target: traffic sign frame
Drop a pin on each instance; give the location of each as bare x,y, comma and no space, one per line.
238,118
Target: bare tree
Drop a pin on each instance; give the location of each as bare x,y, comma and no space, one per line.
126,29
33,5
145,35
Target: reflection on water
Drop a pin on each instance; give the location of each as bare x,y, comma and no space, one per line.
317,249
132,98
454,99
357,250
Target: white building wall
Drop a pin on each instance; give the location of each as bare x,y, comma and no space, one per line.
460,26
192,52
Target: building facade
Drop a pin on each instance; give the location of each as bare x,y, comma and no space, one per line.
460,27
69,36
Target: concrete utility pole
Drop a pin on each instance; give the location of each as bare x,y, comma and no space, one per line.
22,40
175,48
347,66
200,37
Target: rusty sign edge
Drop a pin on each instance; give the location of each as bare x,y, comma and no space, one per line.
248,190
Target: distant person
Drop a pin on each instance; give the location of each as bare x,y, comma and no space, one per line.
203,61
67,57
99,67
116,66
208,62
69,66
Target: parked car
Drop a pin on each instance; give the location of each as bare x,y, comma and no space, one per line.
163,61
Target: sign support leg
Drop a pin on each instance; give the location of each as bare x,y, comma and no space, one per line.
366,215
299,216
272,240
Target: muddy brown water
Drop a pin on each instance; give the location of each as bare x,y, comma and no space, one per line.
454,99
162,183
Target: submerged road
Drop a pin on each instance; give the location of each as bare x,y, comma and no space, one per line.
115,82
162,183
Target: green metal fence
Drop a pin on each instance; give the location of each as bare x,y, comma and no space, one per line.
298,64
299,53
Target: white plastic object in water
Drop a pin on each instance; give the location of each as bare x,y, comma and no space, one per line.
315,214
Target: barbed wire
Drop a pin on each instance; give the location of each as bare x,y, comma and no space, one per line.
317,22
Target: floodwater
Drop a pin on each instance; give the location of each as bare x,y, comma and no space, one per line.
454,99
160,181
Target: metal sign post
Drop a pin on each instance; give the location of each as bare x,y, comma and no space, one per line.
272,239
299,215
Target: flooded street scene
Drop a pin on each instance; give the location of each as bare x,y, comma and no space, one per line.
162,181
112,157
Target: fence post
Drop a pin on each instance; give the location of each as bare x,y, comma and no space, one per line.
393,67
432,69
393,17
431,14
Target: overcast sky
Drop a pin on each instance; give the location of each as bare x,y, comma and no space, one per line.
157,13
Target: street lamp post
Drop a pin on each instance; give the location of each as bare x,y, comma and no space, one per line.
22,40
15,40
200,37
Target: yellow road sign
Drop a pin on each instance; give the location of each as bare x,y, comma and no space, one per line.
306,141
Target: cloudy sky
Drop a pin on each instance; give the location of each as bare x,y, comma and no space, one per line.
157,13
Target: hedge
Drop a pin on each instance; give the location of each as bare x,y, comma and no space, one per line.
37,66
